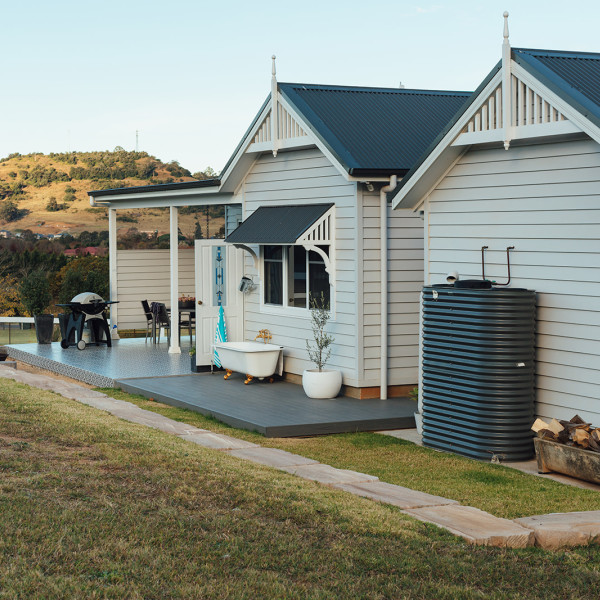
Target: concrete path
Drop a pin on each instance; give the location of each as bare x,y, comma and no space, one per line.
472,524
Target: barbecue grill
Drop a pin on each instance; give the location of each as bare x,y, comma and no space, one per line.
89,308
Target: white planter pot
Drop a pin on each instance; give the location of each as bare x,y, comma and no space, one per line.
321,384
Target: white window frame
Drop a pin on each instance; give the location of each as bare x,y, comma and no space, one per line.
285,309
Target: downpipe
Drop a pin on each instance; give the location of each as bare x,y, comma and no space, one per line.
383,235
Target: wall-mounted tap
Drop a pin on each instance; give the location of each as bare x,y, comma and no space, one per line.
265,335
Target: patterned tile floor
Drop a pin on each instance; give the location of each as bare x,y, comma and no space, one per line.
102,366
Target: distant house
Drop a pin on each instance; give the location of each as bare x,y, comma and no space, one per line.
306,213
519,166
4,233
87,251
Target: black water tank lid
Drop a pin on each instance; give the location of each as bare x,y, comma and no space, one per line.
473,284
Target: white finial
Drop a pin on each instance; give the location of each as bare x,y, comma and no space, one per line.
506,86
274,109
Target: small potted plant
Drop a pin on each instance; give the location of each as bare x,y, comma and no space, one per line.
35,296
186,302
193,359
320,382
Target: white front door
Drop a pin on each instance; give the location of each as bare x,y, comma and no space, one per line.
219,269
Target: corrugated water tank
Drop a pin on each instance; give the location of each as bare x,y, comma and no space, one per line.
478,371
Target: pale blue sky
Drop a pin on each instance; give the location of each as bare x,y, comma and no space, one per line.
191,75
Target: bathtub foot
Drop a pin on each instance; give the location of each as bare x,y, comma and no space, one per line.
271,379
228,374
248,379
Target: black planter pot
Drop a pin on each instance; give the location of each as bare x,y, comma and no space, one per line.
44,327
193,363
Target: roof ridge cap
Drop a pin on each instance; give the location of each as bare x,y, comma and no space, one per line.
559,53
359,88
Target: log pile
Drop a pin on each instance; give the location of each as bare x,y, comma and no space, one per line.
575,432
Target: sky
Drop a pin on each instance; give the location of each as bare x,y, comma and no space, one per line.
191,75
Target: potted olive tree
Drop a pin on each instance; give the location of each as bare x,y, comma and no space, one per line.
320,382
193,359
35,296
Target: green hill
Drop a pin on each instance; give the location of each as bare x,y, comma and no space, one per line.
47,194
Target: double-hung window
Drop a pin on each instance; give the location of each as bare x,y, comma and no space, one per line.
292,275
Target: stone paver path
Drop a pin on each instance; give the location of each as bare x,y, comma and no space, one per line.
475,526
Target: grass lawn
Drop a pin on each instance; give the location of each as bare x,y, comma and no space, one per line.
17,336
499,490
95,507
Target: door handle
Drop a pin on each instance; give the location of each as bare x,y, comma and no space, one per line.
199,302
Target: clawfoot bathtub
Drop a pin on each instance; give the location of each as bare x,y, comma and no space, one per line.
253,359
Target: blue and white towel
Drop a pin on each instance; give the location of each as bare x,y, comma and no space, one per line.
220,334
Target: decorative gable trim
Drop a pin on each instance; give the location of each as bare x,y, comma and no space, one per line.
322,231
286,128
530,110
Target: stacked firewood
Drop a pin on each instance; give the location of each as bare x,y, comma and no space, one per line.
575,432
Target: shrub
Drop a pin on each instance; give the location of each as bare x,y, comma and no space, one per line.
126,219
54,206
10,300
9,211
35,293
84,274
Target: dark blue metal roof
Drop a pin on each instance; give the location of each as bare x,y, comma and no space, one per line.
574,76
376,131
277,224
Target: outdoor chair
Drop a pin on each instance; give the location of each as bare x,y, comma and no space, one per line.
162,319
148,315
189,321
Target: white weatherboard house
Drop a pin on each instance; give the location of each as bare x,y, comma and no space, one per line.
520,166
308,184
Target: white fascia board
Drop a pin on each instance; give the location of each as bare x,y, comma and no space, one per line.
244,146
523,132
162,199
442,157
293,143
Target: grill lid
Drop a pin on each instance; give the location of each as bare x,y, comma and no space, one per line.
87,298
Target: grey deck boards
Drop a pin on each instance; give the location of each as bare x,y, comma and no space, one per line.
102,366
279,409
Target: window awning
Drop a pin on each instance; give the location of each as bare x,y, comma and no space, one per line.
311,223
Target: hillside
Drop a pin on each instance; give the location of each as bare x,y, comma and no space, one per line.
47,194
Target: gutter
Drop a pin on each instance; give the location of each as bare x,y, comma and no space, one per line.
383,235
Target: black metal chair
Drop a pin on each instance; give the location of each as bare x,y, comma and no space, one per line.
162,319
188,322
149,318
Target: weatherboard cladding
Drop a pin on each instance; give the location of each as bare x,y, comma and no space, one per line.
277,224
374,129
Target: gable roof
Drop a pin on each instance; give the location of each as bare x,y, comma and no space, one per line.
572,76
368,131
373,131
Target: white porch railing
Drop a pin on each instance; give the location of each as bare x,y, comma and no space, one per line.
18,330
